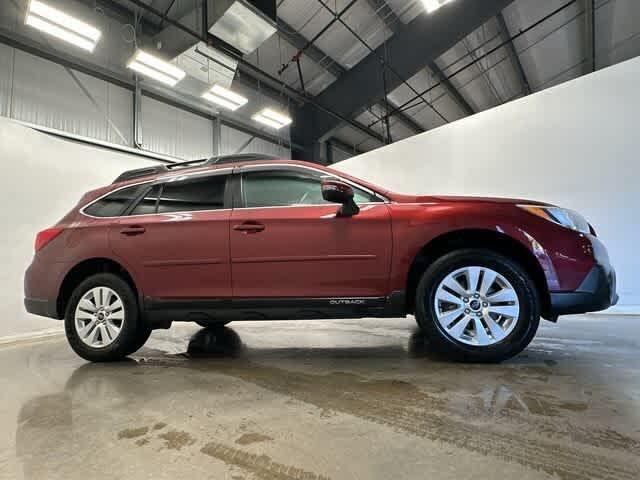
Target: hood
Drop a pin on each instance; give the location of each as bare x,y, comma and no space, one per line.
402,198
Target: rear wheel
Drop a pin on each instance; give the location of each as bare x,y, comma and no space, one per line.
101,319
478,305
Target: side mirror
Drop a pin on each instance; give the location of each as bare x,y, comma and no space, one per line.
336,191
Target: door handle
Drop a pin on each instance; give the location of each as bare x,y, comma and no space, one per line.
249,227
131,231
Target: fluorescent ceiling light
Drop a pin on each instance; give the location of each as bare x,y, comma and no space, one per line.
433,5
225,97
63,26
153,67
272,118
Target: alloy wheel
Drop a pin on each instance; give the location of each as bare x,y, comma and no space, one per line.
476,306
99,317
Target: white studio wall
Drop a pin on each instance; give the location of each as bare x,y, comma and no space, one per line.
575,145
41,178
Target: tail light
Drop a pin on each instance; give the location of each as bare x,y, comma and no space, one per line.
45,236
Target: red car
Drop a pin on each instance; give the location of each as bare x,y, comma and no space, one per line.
255,238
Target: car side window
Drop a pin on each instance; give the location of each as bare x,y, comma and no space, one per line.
281,188
193,194
148,203
114,204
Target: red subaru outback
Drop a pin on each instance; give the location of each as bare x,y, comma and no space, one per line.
246,238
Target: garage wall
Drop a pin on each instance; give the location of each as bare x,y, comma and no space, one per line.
41,92
171,131
233,141
44,93
41,178
574,145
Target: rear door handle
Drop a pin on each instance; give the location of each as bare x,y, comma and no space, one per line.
131,231
249,227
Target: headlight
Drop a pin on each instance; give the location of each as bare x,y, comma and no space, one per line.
561,216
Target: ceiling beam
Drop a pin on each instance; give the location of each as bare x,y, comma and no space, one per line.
393,23
590,34
183,32
345,147
425,38
513,54
296,39
328,63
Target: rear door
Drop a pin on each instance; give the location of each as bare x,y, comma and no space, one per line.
287,242
177,238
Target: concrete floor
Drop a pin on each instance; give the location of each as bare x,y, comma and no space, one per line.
341,400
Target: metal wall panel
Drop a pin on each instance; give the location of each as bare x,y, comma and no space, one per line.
6,79
235,141
48,94
168,130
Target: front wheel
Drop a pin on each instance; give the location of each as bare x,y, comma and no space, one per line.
101,319
478,305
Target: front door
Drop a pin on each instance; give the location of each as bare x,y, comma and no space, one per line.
177,239
287,242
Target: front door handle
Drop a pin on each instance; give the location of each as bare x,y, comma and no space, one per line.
249,227
131,231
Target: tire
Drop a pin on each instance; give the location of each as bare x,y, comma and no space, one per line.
472,343
142,335
107,345
212,324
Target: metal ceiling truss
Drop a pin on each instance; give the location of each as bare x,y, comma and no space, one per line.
513,54
412,103
257,75
422,40
325,61
393,23
590,34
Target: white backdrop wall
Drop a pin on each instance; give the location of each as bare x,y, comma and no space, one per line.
41,178
575,145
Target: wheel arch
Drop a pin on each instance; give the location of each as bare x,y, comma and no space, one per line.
500,243
86,268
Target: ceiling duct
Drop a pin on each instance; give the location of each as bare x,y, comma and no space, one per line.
208,65
243,24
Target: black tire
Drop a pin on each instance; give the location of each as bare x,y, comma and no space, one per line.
142,335
527,322
212,324
130,336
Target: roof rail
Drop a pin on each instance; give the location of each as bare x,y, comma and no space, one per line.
242,157
220,160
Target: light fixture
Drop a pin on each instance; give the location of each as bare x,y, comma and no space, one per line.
433,5
272,119
62,26
150,66
224,97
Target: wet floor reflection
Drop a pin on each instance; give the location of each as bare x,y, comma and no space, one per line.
519,411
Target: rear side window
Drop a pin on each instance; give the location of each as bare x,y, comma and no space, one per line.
148,203
204,193
115,203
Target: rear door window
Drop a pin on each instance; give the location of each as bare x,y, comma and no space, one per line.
191,195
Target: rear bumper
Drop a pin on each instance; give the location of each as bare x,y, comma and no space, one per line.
42,307
597,292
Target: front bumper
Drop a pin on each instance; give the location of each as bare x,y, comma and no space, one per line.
596,292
